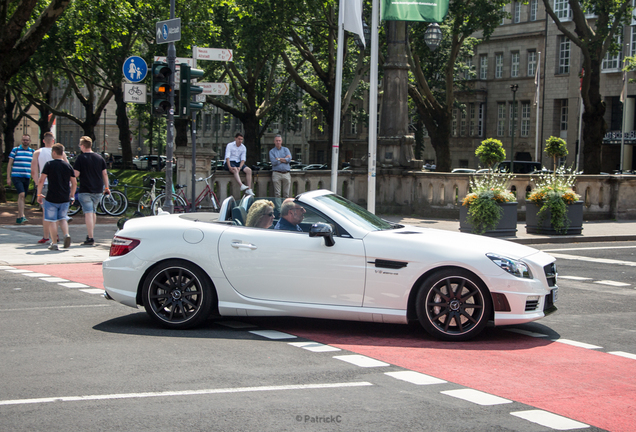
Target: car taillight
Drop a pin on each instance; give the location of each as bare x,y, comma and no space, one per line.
122,245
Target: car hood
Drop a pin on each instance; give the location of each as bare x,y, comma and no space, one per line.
449,240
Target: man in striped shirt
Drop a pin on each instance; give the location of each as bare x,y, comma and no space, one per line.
19,173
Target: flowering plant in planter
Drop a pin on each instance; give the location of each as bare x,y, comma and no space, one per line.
487,191
554,192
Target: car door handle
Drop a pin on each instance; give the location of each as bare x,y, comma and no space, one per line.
238,245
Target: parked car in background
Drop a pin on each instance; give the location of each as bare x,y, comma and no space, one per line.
521,167
150,162
313,167
463,171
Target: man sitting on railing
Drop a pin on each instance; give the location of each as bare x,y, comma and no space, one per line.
235,155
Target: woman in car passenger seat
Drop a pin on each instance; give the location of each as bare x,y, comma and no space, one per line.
261,214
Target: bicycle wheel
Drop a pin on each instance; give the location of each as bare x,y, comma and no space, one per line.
114,203
145,204
74,208
179,204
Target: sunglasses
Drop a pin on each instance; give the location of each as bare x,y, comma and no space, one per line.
269,214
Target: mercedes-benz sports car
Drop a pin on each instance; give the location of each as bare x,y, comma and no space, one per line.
346,264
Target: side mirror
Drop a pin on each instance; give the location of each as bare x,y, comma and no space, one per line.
320,229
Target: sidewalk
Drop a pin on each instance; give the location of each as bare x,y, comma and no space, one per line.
18,243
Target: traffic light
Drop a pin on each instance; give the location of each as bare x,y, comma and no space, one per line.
161,89
187,90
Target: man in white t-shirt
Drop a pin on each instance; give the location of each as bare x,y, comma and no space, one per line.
235,154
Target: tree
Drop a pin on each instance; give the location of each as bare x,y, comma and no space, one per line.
490,152
594,40
22,30
557,148
435,73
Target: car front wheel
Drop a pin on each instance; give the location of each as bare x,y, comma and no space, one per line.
178,295
453,305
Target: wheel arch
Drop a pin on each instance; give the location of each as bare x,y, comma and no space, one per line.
215,306
411,312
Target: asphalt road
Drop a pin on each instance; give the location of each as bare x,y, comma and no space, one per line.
73,361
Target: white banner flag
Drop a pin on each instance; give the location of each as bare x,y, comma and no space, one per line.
353,18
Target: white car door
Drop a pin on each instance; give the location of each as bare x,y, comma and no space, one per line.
268,264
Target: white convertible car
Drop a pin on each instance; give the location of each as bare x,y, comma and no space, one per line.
346,264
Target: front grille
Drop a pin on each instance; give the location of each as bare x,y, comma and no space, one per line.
532,305
551,274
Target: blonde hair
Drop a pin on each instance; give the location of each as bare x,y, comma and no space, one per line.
86,141
257,211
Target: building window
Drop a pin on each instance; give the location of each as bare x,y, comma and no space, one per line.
227,122
514,65
462,127
633,47
208,122
564,115
468,72
612,62
514,113
498,66
471,127
532,63
483,67
516,12
503,9
501,119
480,121
525,119
562,10
564,55
454,123
533,9
217,122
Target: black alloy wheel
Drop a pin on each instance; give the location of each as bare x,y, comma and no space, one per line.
453,305
178,294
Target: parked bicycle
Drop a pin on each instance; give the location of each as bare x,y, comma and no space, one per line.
206,201
145,202
114,203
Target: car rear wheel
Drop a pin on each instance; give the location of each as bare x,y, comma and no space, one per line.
453,305
178,295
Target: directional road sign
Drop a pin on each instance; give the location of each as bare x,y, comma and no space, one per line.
177,61
217,89
169,30
135,93
214,54
135,69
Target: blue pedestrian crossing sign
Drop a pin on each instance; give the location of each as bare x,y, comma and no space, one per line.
135,69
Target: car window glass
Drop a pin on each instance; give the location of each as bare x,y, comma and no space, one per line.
354,213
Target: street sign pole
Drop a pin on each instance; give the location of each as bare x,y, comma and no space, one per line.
193,128
172,55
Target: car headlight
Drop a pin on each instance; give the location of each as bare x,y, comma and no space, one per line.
512,266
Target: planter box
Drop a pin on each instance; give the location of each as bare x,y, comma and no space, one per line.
574,214
507,226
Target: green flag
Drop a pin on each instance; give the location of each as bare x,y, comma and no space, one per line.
414,10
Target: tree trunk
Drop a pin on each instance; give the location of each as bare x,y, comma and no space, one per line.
3,192
181,138
252,138
440,140
10,124
43,122
122,123
594,126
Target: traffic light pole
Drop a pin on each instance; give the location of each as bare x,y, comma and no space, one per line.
168,205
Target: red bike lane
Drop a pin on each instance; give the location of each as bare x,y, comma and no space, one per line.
586,385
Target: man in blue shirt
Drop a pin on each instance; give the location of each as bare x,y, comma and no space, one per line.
280,157
19,173
291,215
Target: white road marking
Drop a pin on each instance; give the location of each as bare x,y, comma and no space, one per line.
314,346
589,248
93,291
273,334
594,260
611,283
476,396
73,285
52,307
236,324
54,279
624,354
6,268
37,275
182,393
415,377
576,344
527,333
362,361
19,271
579,278
550,420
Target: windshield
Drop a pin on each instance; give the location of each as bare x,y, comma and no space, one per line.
355,213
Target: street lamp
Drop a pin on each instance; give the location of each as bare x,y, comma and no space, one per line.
433,36
514,88
104,141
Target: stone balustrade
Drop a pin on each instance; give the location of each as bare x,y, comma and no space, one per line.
430,194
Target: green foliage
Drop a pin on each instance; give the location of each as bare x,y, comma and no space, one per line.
556,147
487,191
490,152
553,192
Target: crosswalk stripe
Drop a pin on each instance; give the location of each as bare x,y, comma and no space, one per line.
548,419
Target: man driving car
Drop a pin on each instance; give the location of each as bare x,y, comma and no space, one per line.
291,215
